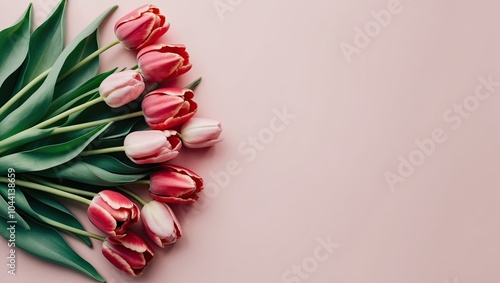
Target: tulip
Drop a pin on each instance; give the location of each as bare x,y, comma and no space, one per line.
168,107
121,88
160,223
160,62
141,27
175,184
129,253
112,213
152,146
201,132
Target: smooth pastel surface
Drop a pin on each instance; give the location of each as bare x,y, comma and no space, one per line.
282,186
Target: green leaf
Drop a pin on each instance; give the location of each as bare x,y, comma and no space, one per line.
35,208
86,72
114,165
14,43
123,128
86,173
26,137
34,108
63,216
47,43
48,244
4,210
8,86
51,155
68,99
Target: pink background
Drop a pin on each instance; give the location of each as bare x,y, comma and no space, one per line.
322,177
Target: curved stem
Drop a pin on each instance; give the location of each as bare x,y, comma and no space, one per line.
133,195
88,59
61,187
77,127
103,151
71,229
67,113
47,189
23,91
43,75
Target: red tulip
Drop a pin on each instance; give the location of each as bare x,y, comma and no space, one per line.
175,184
152,146
112,212
121,88
141,27
160,223
168,107
160,62
129,253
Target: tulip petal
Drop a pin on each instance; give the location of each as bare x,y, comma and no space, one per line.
118,261
101,219
115,199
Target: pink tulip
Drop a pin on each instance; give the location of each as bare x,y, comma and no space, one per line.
152,146
175,184
141,27
168,107
121,88
160,62
112,213
201,132
160,223
129,253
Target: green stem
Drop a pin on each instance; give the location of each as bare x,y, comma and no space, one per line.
43,75
88,59
82,126
47,189
61,130
142,182
194,84
103,151
67,113
23,91
133,195
71,229
61,187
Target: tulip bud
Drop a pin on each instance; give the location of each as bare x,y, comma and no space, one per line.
152,146
160,223
141,27
121,88
175,184
130,253
112,213
201,132
160,62
168,107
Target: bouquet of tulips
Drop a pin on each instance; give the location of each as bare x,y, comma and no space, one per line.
69,134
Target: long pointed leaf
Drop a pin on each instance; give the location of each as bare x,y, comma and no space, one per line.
48,244
14,44
51,155
47,43
34,108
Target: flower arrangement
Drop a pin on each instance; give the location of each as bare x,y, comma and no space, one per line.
69,134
